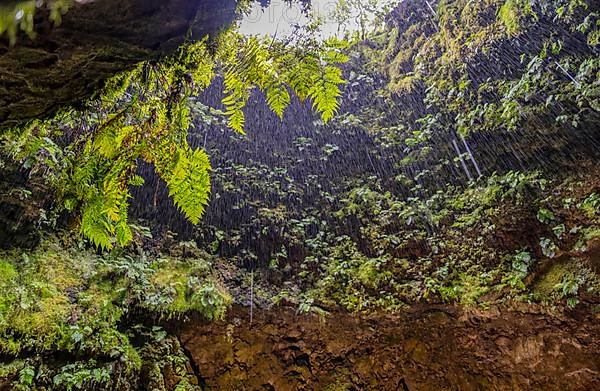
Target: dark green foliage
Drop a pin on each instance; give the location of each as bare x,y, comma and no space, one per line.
373,210
144,115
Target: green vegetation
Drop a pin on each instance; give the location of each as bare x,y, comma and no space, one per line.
446,254
433,161
144,115
63,299
18,15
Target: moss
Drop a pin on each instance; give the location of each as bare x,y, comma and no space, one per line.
472,288
36,303
166,363
43,319
132,358
339,385
191,288
62,269
591,233
466,288
36,320
369,273
73,302
546,285
7,272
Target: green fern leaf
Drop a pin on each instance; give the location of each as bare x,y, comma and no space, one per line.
94,224
187,175
326,91
278,98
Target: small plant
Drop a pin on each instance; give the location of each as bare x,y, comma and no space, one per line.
26,376
307,306
568,288
549,249
545,216
521,263
559,231
82,375
591,205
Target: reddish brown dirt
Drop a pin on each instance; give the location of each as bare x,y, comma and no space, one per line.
427,348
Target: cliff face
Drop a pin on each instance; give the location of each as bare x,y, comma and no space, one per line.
63,64
425,348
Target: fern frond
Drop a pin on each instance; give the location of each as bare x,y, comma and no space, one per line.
108,142
278,98
236,95
136,180
236,119
145,114
181,117
94,224
196,59
123,233
301,77
326,91
187,175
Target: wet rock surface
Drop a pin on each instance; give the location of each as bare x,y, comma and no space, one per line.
427,348
19,213
64,64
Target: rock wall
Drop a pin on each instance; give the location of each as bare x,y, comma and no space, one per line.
64,64
427,348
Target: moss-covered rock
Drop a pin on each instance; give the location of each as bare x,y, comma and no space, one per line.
75,309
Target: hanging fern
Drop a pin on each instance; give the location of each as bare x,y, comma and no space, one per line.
187,175
95,225
236,91
278,98
325,92
143,114
309,71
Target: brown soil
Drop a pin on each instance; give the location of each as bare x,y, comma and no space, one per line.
427,348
